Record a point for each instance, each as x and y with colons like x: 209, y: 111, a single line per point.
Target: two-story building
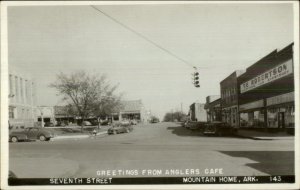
x: 22, y: 98
x: 229, y: 99
x: 266, y: 92
x: 213, y: 108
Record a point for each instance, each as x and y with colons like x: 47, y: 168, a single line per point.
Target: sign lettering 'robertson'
x: 268, y: 76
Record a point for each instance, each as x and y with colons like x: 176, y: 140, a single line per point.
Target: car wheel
x: 14, y: 139
x: 42, y: 138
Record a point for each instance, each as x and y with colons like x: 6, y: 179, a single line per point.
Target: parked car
x: 119, y: 128
x: 218, y: 128
x: 104, y: 122
x: 197, y: 125
x: 31, y: 133
x: 133, y: 122
x: 187, y: 124
x: 125, y: 123
x: 62, y: 123
x: 87, y: 123
x: 49, y: 124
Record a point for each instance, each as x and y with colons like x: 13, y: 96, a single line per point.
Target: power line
x: 144, y: 37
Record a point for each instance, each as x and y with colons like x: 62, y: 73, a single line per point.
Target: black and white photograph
x: 148, y: 94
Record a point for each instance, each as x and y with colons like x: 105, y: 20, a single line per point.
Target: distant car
x: 87, y: 123
x: 119, y: 128
x: 125, y: 123
x: 154, y: 120
x: 187, y: 124
x: 49, y: 124
x: 31, y: 133
x: 218, y: 128
x: 104, y: 122
x: 197, y: 125
x: 133, y: 122
x: 62, y: 123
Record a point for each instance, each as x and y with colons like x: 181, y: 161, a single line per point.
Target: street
x: 162, y: 149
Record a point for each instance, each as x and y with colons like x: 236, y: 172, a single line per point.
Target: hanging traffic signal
x: 196, y: 79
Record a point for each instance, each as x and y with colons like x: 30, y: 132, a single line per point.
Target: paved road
x: 163, y: 149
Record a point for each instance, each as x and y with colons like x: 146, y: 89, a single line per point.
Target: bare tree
x: 90, y: 95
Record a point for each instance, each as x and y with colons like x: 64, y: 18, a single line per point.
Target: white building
x: 45, y: 114
x: 22, y: 98
x: 197, y: 112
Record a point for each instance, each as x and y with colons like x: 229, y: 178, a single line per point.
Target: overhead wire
x: 143, y: 37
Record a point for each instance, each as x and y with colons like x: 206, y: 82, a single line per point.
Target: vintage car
x: 197, y: 125
x: 31, y: 133
x: 218, y: 128
x: 119, y: 128
x: 133, y: 122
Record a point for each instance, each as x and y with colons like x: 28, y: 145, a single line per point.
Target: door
x: 32, y: 133
x: 281, y: 120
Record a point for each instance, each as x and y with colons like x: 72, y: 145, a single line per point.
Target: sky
x: 217, y: 38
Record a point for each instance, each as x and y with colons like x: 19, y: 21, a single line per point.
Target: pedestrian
x: 99, y: 123
x: 94, y: 132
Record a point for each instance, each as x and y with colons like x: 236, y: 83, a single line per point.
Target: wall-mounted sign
x: 277, y: 72
x: 252, y: 105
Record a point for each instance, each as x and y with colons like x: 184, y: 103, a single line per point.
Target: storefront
x: 230, y: 115
x: 252, y: 114
x: 281, y: 111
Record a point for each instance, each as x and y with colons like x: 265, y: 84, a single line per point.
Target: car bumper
x: 209, y: 132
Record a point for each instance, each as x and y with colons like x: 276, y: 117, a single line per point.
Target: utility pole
x: 181, y: 107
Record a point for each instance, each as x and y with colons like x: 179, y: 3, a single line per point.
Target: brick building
x: 266, y: 92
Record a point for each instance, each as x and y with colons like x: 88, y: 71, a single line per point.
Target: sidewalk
x: 260, y: 135
x: 76, y: 135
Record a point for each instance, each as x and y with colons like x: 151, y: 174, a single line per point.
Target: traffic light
x: 196, y: 79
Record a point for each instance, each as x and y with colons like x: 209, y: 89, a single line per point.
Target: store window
x: 244, y: 119
x: 11, y: 112
x: 258, y: 120
x: 290, y: 116
x: 272, y: 117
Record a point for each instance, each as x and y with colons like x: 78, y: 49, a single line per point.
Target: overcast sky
x: 221, y: 38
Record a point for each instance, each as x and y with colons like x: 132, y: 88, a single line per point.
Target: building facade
x: 229, y: 99
x: 213, y: 108
x: 45, y: 115
x: 132, y: 110
x: 197, y: 112
x: 22, y: 98
x: 266, y: 92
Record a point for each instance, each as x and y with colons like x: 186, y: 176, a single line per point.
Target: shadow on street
x: 181, y: 131
x: 270, y: 162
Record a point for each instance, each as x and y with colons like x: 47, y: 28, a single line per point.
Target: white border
x: 4, y: 100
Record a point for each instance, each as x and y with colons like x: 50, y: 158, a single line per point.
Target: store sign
x: 277, y: 72
x: 252, y: 105
x: 289, y: 97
